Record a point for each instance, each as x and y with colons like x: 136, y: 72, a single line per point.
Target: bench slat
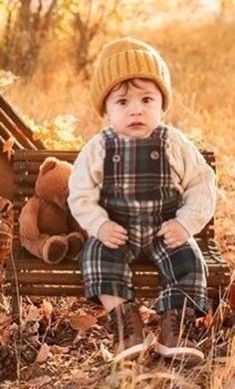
x: 78, y: 291
x: 36, y: 155
x: 147, y: 266
x: 71, y: 278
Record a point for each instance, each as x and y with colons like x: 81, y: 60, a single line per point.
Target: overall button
x: 154, y: 154
x: 116, y: 158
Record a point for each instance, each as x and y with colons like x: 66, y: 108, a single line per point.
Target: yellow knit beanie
x: 127, y: 58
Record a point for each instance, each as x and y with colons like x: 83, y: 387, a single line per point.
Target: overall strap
x: 109, y: 133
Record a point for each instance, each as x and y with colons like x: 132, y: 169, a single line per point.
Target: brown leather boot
x: 177, y: 338
x: 127, y: 328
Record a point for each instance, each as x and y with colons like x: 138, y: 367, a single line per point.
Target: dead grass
x: 82, y: 360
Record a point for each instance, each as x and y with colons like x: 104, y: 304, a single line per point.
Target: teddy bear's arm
x: 28, y: 220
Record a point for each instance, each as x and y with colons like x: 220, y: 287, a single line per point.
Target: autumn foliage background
x: 49, y: 48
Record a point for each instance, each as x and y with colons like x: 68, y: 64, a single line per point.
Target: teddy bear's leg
x: 51, y: 249
x: 75, y: 244
x: 35, y: 246
x: 55, y: 249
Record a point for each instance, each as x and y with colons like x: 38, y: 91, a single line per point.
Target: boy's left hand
x: 174, y: 233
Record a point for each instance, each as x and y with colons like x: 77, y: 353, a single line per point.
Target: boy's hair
x: 125, y: 85
x: 125, y: 59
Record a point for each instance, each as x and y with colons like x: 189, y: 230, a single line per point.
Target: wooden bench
x: 27, y: 275
x: 12, y: 129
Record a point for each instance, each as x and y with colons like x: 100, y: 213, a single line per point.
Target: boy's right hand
x: 112, y: 234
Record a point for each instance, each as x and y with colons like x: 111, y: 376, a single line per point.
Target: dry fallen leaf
x: 59, y: 350
x: 47, y: 309
x: 43, y: 353
x: 106, y: 354
x: 37, y: 136
x: 5, y: 335
x: 7, y: 78
x: 39, y: 381
x: 147, y: 315
x: 5, y: 328
x: 33, y: 314
x: 8, y: 147
x: 150, y: 340
x: 83, y: 322
x: 207, y: 321
x: 4, y: 319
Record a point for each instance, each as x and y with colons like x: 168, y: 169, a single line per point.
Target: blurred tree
x: 28, y: 24
x: 31, y: 22
x: 91, y: 22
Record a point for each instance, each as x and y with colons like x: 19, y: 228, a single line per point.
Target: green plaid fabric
x: 138, y: 193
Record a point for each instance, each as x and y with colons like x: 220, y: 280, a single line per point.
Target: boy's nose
x: 135, y: 109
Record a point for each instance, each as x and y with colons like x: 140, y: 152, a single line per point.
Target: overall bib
x: 139, y: 194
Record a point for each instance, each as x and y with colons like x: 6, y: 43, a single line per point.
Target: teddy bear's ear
x: 48, y: 164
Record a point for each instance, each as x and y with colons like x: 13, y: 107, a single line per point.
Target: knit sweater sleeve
x: 197, y: 180
x: 84, y: 187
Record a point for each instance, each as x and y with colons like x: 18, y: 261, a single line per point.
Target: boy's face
x: 135, y: 109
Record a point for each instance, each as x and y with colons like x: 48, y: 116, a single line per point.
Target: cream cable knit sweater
x: 190, y: 172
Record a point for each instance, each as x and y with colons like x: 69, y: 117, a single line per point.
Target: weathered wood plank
x: 75, y: 278
x: 78, y: 291
x: 16, y: 125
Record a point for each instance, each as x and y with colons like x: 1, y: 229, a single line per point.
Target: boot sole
x: 191, y: 355
x: 133, y: 352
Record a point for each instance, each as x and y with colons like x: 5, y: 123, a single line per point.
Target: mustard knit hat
x: 127, y: 58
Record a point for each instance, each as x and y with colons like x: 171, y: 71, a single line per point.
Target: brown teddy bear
x: 46, y: 226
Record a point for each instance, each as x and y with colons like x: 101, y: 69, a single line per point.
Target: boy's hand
x: 112, y: 234
x: 174, y: 233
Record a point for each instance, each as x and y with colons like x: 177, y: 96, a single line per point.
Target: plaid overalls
x: 139, y: 194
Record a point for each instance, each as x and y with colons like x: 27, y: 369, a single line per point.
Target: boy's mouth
x: 134, y: 124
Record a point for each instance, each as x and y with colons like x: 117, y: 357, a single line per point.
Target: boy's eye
x: 122, y: 101
x: 147, y: 99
